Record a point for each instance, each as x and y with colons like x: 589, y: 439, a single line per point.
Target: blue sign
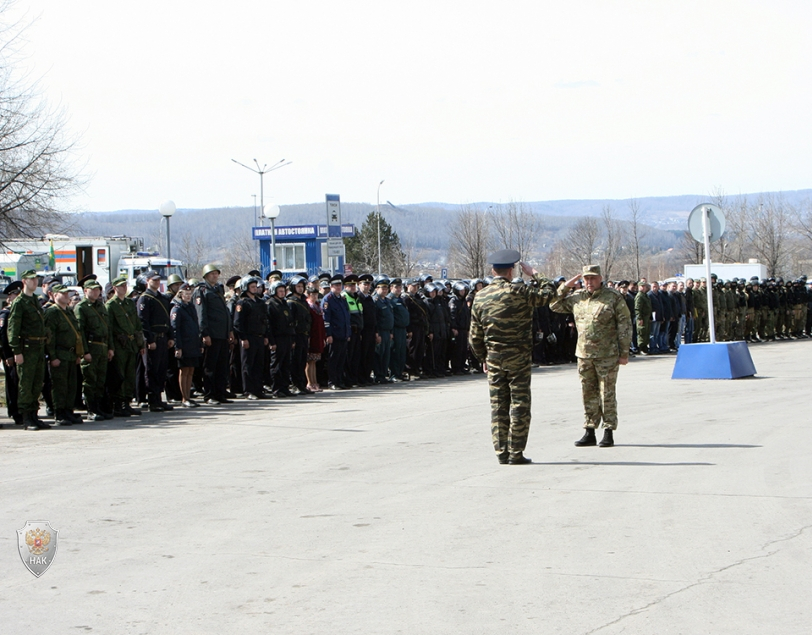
x: 303, y: 232
x: 444, y: 273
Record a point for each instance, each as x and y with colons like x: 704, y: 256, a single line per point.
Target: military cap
x: 119, y: 281
x: 14, y: 287
x: 254, y: 273
x: 150, y: 275
x: 52, y: 284
x: 58, y: 287
x: 337, y: 279
x: 623, y: 283
x: 324, y: 284
x: 91, y: 276
x: 504, y: 258
x: 91, y: 284
x: 395, y: 281
x: 351, y: 279
x: 591, y: 270
x: 382, y: 281
x: 173, y: 279
x: 324, y: 276
x: 209, y: 268
x: 274, y: 274
x: 185, y: 287
x: 366, y: 277
x: 27, y: 275
x: 108, y: 288
x: 232, y: 281
x: 48, y: 280
x: 193, y: 281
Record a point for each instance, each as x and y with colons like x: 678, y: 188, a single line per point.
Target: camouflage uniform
x: 128, y: 341
x: 67, y: 345
x: 501, y: 335
x: 604, y: 332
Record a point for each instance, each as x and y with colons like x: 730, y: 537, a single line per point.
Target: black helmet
x: 140, y: 284
x: 275, y: 285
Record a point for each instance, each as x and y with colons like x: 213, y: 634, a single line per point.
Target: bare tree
x: 583, y: 240
x: 637, y: 234
x: 514, y: 226
x: 690, y: 250
x: 468, y: 238
x: 37, y: 172
x: 771, y: 236
x: 612, y: 241
x: 192, y: 247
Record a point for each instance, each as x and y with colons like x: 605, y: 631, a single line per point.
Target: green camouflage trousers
x: 598, y: 379
x: 509, y: 386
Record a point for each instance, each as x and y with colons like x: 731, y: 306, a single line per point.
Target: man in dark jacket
x: 460, y: 325
x: 218, y: 334
x: 397, y: 358
x: 369, y: 335
x: 251, y: 329
x: 282, y: 331
x: 337, y: 329
x: 302, y: 322
x: 417, y: 330
x: 385, y: 320
x: 153, y: 311
x: 656, y: 317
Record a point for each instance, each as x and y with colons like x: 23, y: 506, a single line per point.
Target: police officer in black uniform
x: 218, y: 334
x: 153, y: 311
x: 282, y: 330
x: 251, y: 329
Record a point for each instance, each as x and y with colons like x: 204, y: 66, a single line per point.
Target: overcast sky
x: 447, y: 101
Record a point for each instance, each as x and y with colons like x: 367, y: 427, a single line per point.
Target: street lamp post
x: 272, y: 212
x: 262, y: 171
x: 379, y: 225
x: 167, y: 208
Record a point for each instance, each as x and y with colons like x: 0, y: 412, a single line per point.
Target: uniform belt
x: 159, y: 335
x: 36, y: 339
x: 97, y: 342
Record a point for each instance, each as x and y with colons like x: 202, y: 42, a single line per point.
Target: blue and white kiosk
x: 299, y: 248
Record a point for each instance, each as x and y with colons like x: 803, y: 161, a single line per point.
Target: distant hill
x: 422, y: 226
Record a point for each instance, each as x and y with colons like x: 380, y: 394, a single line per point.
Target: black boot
x: 30, y: 422
x: 519, y: 459
x: 61, y: 419
x: 587, y: 439
x: 119, y: 410
x: 93, y: 412
x: 73, y: 417
x: 608, y: 440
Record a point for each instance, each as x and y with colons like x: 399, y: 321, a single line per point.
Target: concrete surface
x: 385, y: 511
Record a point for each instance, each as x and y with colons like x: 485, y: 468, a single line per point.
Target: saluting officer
x: 95, y: 328
x: 153, y: 311
x: 12, y: 383
x: 251, y: 329
x: 127, y: 335
x: 501, y: 338
x: 218, y: 333
x: 27, y: 334
x: 66, y: 348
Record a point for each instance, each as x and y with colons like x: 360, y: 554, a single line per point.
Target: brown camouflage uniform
x: 501, y: 335
x: 604, y: 333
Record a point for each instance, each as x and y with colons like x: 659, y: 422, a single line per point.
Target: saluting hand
x: 571, y: 282
x: 527, y: 269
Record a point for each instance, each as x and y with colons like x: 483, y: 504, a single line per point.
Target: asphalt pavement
x: 385, y: 511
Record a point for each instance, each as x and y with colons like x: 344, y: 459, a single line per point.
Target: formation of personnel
x: 204, y: 341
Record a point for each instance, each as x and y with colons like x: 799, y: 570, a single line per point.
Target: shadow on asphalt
x: 619, y: 463
x: 686, y: 445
